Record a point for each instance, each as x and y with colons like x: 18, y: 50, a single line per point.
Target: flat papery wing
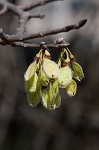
x: 78, y: 70
x: 33, y: 98
x: 45, y: 98
x: 30, y: 71
x: 72, y: 88
x: 31, y: 84
x: 50, y: 97
x: 54, y: 95
x: 50, y: 68
x: 47, y: 54
x: 65, y: 76
x: 34, y: 83
x: 75, y: 76
x: 44, y: 79
x: 34, y: 93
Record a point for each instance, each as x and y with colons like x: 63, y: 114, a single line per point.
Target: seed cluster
x: 44, y: 78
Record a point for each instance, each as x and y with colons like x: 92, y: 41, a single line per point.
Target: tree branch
x: 3, y: 10
x: 40, y: 16
x: 37, y: 4
x: 16, y: 38
x: 28, y: 45
x: 24, y: 15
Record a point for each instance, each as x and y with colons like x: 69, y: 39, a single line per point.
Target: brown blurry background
x: 75, y: 125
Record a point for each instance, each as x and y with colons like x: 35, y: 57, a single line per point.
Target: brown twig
x: 3, y: 10
x: 24, y: 15
x: 37, y: 4
x: 16, y: 38
x: 28, y: 45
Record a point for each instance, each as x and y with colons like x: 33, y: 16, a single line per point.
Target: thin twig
x: 40, y: 16
x: 28, y: 45
x: 3, y: 10
x: 24, y: 15
x: 37, y: 4
x: 16, y: 38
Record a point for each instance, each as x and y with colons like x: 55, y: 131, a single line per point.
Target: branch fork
x: 19, y: 38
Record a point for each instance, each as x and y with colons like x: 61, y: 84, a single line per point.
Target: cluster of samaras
x: 44, y: 78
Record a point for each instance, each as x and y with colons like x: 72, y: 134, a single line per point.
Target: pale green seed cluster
x: 44, y: 78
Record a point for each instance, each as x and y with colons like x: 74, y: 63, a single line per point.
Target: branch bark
x: 37, y: 4
x: 24, y: 15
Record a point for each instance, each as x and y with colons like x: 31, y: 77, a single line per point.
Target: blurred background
x: 73, y: 126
